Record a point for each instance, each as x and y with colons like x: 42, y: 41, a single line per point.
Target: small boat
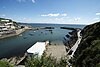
x: 20, y: 35
x: 34, y: 31
x: 25, y: 37
x: 31, y: 34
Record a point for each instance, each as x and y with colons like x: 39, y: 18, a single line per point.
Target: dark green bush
x: 36, y: 61
x: 5, y: 64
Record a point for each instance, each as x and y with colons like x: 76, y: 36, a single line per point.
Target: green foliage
x: 5, y: 64
x: 5, y: 19
x: 98, y: 65
x: 88, y: 52
x: 63, y: 62
x: 36, y: 61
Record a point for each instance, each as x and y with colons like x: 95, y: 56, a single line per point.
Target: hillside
x: 5, y: 19
x: 88, y: 52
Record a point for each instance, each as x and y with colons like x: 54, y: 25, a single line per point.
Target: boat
x: 31, y: 34
x: 25, y: 37
x: 20, y: 35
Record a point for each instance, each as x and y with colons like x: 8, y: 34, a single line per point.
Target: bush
x: 36, y: 61
x: 5, y: 64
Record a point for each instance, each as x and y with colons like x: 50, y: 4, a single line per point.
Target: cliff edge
x: 88, y: 51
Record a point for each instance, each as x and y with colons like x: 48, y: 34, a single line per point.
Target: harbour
x: 8, y: 46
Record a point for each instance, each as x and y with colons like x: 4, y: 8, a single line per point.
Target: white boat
x: 20, y: 35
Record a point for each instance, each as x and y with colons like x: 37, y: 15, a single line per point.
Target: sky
x: 51, y: 11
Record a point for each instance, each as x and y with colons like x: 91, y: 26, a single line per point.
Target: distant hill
x: 88, y: 52
x: 5, y: 19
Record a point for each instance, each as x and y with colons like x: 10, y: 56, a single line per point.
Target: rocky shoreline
x: 88, y: 51
x: 72, y: 37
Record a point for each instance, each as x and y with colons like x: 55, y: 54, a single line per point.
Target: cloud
x: 33, y: 1
x: 20, y: 1
x: 96, y: 18
x: 3, y: 15
x: 59, y: 19
x: 27, y: 20
x: 77, y: 19
x: 53, y: 15
x: 97, y: 13
x: 64, y: 14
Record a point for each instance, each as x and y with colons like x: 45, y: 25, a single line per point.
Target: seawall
x: 17, y: 32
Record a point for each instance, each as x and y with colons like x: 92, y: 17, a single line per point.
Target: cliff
x: 88, y: 52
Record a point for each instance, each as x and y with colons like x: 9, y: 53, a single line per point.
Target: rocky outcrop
x: 72, y: 38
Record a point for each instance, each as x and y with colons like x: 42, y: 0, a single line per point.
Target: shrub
x: 36, y: 61
x: 5, y: 64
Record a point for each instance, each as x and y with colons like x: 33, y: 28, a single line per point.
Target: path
x: 73, y: 49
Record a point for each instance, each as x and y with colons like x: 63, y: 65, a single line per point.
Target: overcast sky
x: 51, y: 11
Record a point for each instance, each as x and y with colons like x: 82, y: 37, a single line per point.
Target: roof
x: 37, y: 48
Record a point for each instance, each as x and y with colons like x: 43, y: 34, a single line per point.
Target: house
x: 7, y: 26
x: 5, y: 20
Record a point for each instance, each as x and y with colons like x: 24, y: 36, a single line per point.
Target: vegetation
x: 5, y: 19
x: 5, y: 64
x: 36, y: 61
x: 88, y: 52
x: 1, y: 19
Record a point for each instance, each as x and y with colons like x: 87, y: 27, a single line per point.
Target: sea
x: 17, y: 45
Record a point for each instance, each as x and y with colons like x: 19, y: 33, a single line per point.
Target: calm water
x: 17, y: 45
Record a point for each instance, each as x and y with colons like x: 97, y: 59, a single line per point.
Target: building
x: 5, y: 20
x: 7, y: 26
x: 38, y: 48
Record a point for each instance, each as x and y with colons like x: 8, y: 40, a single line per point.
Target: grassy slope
x: 88, y: 52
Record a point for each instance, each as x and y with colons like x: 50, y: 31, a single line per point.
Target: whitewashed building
x: 6, y: 26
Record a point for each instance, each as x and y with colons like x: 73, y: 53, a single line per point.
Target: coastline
x: 57, y: 50
x: 61, y: 49
x: 17, y: 32
x: 10, y: 35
